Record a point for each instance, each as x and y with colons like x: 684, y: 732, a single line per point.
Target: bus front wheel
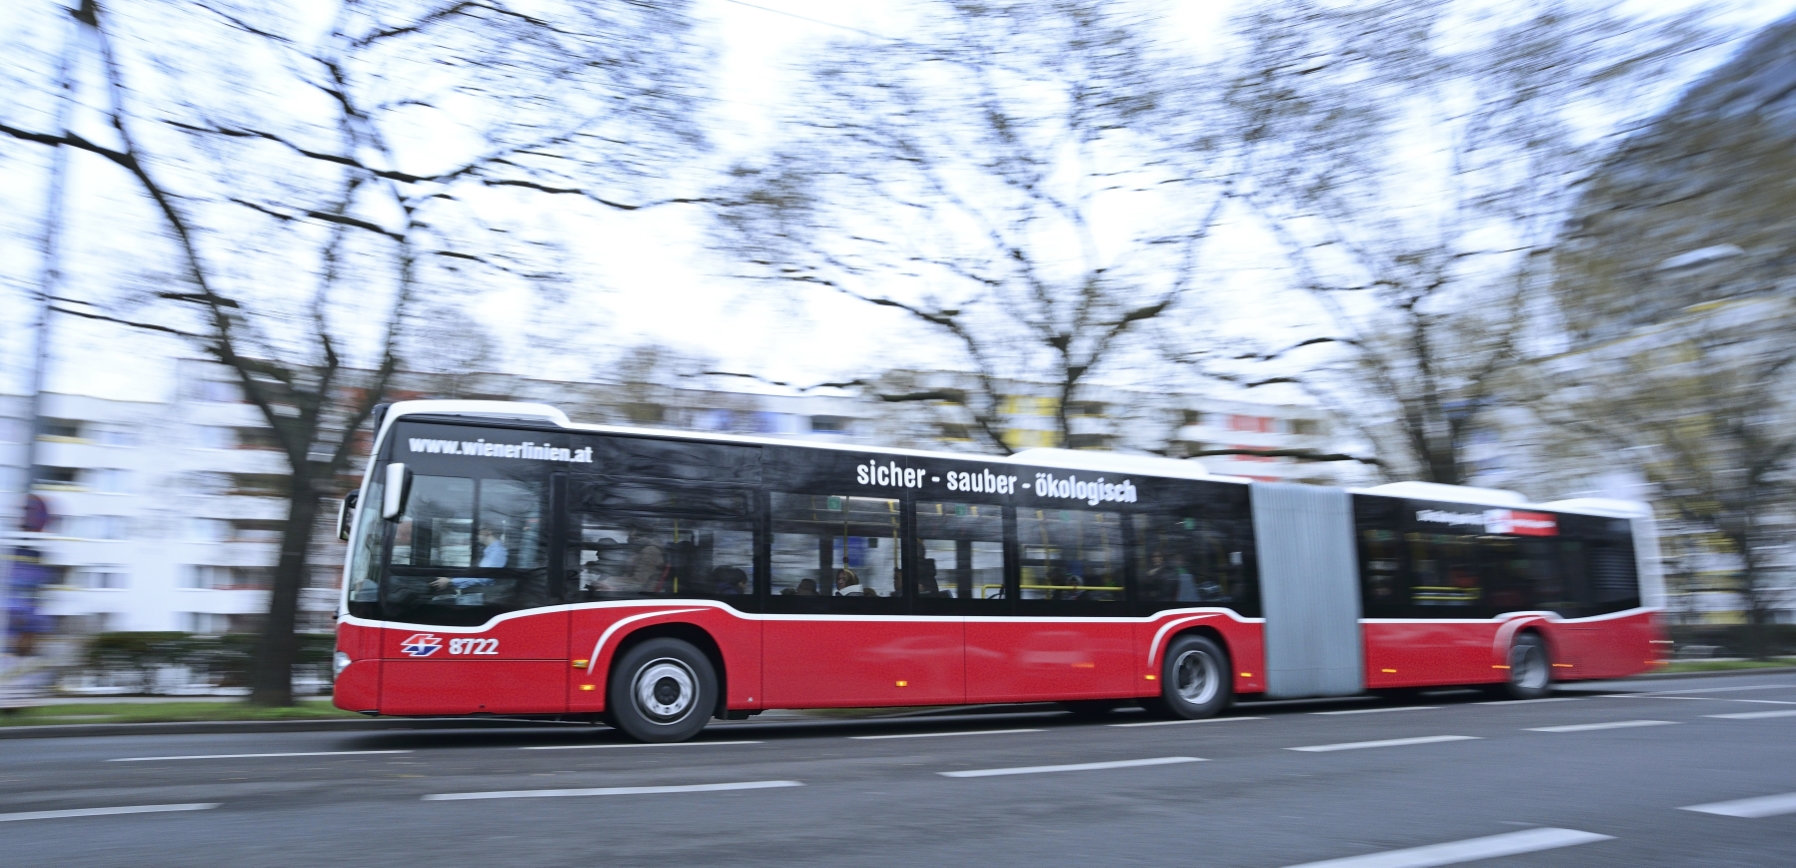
x: 1194, y: 679
x: 662, y: 690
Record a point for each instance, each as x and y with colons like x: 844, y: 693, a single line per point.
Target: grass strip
x: 1726, y: 665
x: 51, y: 714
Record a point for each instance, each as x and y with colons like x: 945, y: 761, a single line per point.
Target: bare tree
x: 1415, y: 183
x: 319, y: 185
x: 1031, y: 181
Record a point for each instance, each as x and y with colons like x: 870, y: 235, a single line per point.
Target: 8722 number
x: 474, y: 646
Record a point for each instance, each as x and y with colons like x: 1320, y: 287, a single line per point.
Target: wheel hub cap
x: 1195, y: 677
x: 665, y: 690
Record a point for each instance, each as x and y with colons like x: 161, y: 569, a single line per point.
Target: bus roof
x: 1066, y: 459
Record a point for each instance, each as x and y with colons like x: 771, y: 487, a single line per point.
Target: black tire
x: 1090, y: 709
x: 1530, y: 670
x: 662, y: 690
x: 1195, y: 680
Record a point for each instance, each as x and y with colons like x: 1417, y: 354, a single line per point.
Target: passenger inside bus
x: 847, y: 583
x: 729, y: 581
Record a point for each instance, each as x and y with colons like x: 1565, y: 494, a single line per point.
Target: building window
x: 1253, y: 424
x: 1085, y: 408
x: 104, y: 527
x: 108, y: 480
x: 208, y: 529
x: 58, y: 478
x: 14, y: 430
x: 99, y: 578
x: 115, y: 435
x: 1088, y: 441
x: 216, y: 391
x: 1306, y: 427
x: 209, y: 483
x: 66, y: 430
x: 214, y: 437
x: 257, y: 531
x: 1244, y: 456
x: 208, y: 623
x: 830, y: 424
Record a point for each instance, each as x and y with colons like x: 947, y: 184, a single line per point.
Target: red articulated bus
x: 504, y: 561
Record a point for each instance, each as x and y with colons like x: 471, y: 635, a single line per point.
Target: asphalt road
x: 1598, y: 775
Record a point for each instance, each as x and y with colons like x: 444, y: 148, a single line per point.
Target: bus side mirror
x: 398, y: 490
x: 345, y: 510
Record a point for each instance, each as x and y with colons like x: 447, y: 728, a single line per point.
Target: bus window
x: 467, y: 549
x: 437, y: 527
x: 1188, y: 561
x: 621, y: 556
x: 1383, y: 592
x: 1072, y: 562
x: 839, y: 553
x: 1614, y: 580
x: 1445, y: 574
x: 960, y: 550
x: 364, y: 554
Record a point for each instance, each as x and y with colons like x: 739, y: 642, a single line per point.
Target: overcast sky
x: 660, y: 283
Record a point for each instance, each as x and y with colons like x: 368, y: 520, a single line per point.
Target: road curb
x: 205, y: 727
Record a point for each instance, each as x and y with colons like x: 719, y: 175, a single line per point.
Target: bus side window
x: 1191, y: 561
x: 634, y: 556
x: 1072, y: 562
x: 837, y: 553
x: 961, y: 551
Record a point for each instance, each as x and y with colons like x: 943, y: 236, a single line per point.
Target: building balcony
x: 60, y: 452
x: 239, y: 507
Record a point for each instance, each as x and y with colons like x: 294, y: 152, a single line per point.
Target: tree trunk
x: 272, y: 681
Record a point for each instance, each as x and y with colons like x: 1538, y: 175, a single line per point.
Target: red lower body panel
x: 818, y: 663
x: 1018, y: 660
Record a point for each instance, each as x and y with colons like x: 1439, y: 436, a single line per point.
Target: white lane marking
x: 1177, y: 722
x: 1469, y: 850
x: 604, y: 746
x: 103, y: 812
x: 157, y: 759
x: 1706, y: 699
x: 1613, y: 724
x: 1751, y: 809
x: 1379, y: 710
x: 1527, y: 701
x: 943, y: 734
x: 1722, y: 689
x: 1755, y: 715
x: 1388, y: 742
x: 1075, y: 767
x: 611, y: 791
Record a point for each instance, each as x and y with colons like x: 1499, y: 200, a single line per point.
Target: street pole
x: 49, y: 280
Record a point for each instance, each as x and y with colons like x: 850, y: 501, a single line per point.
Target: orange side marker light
x: 588, y: 687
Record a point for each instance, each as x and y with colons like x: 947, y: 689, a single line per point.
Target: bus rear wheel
x: 1194, y: 680
x: 662, y: 690
x: 1530, y: 669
